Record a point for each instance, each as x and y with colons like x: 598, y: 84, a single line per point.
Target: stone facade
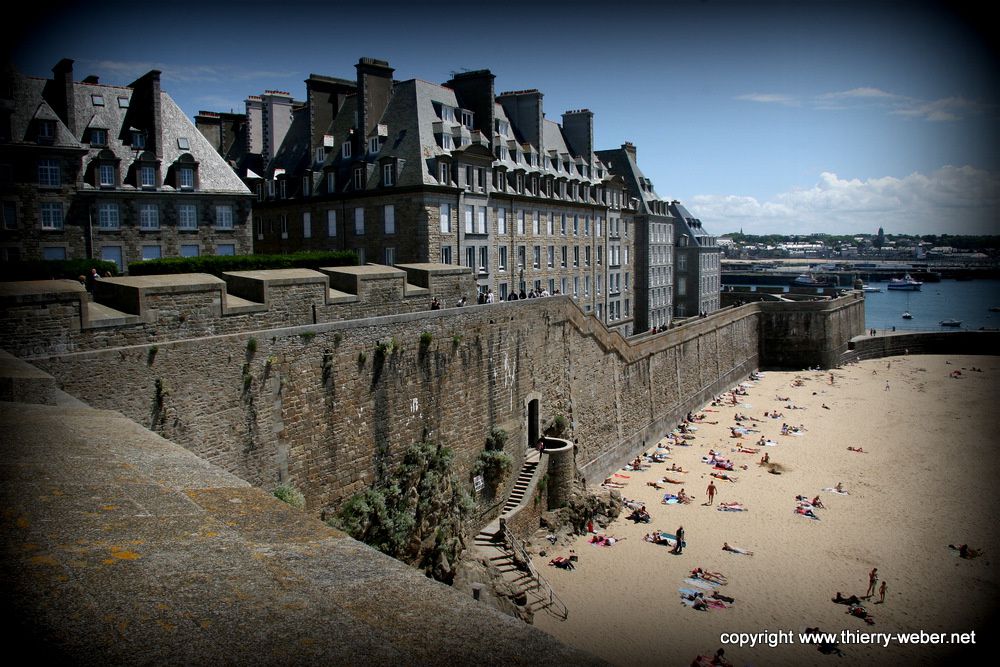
x: 324, y: 403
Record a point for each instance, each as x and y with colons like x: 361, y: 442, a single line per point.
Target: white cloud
x: 867, y: 97
x: 954, y: 200
x: 770, y: 98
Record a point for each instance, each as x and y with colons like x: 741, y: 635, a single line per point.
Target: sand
x: 929, y: 478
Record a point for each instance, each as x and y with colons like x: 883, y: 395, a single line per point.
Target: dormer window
x: 123, y: 103
x: 444, y: 173
x: 446, y: 142
x: 138, y: 140
x: 502, y: 128
x: 147, y: 176
x: 359, y: 178
x: 467, y: 118
x: 447, y: 113
x: 183, y: 143
x: 106, y: 175
x: 345, y: 150
x: 185, y: 178
x: 389, y: 174
x: 98, y: 100
x: 98, y: 136
x: 374, y: 145
x: 46, y: 131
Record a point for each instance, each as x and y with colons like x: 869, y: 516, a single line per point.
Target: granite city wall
x: 331, y: 406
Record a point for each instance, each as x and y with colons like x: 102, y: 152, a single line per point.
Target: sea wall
x: 330, y: 406
x: 936, y: 342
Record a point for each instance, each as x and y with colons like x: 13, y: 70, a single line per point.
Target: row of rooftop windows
x: 52, y: 216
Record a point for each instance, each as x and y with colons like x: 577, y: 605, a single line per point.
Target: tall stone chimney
x: 325, y: 97
x: 147, y: 109
x: 475, y: 92
x: 578, y: 128
x: 62, y: 100
x: 374, y: 91
x: 524, y: 109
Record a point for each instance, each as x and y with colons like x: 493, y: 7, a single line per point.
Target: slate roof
x: 623, y: 163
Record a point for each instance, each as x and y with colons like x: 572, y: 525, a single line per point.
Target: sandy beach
x: 927, y: 479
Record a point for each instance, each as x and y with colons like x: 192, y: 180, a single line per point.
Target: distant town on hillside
x: 737, y: 245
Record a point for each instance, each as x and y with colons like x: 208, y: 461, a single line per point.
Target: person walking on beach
x: 887, y: 385
x: 872, y: 581
x: 881, y: 592
x: 711, y: 492
x: 679, y: 547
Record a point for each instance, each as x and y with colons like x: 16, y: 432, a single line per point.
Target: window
x: 562, y: 286
x: 444, y: 173
x: 283, y: 222
x: 225, y: 249
x: 576, y: 286
x: 307, y: 230
x: 359, y: 178
x: 447, y: 113
x: 576, y: 225
x: 520, y: 256
x: 10, y: 215
x: 681, y: 290
x: 123, y: 103
x: 586, y: 285
x: 306, y: 186
x: 446, y: 142
x: 446, y: 254
x: 586, y: 226
x: 682, y: 262
x: 359, y: 221
x: 388, y: 174
x: 52, y: 215
x: 224, y: 217
x: 98, y: 137
x: 502, y: 258
x: 549, y: 224
x: 361, y: 256
x: 345, y: 150
x: 374, y: 145
x: 283, y: 188
x: 107, y: 216
x: 503, y: 291
x: 534, y: 223
x: 98, y: 100
x: 470, y: 178
x: 183, y: 143
x: 597, y: 227
x: 552, y: 256
x: 600, y: 254
x: 149, y: 216
x: 185, y: 178
x: 501, y: 221
x: 46, y: 131
x: 467, y: 118
x: 150, y: 252
x: 331, y: 182
x: 484, y: 259
x: 113, y: 253
x: 190, y: 250
x: 481, y: 220
x: 54, y: 253
x: 586, y: 255
x: 331, y: 224
x: 138, y: 140
x: 390, y: 256
x: 520, y: 223
x: 536, y: 256
x: 565, y: 255
x: 258, y: 225
x: 389, y: 213
x: 147, y: 176
x: 446, y: 218
x: 576, y: 255
x: 49, y: 173
x: 470, y: 257
x: 562, y: 224
x: 626, y: 255
x: 469, y: 212
x: 106, y: 175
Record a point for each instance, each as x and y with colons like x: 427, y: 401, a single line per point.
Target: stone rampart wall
x: 330, y: 406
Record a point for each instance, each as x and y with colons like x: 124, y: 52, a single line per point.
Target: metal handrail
x: 521, y: 555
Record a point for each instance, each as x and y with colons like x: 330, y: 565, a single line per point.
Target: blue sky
x: 762, y: 116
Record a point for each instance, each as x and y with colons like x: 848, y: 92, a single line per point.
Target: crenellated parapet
x: 42, y: 318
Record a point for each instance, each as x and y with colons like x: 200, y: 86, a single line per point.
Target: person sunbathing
x: 639, y: 516
x: 716, y: 595
x: 840, y: 599
x: 806, y: 511
x: 610, y: 483
x: 668, y: 480
x: 840, y: 488
x: 722, y: 475
x: 764, y: 460
x: 656, y: 485
x: 676, y: 468
x: 816, y: 502
x: 716, y: 577
x: 964, y: 551
x: 859, y: 450
x: 736, y: 550
x: 683, y: 497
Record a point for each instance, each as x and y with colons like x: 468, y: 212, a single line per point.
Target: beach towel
x: 701, y: 583
x: 689, y: 591
x: 672, y: 538
x: 830, y: 489
x: 670, y: 500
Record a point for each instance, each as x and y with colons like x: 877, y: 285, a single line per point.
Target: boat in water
x: 869, y: 288
x: 907, y: 316
x: 905, y: 283
x: 810, y: 280
x: 950, y: 323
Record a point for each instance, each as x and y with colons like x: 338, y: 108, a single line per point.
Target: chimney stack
x: 524, y: 109
x: 374, y: 91
x: 578, y: 128
x: 475, y: 92
x: 63, y: 100
x: 145, y: 106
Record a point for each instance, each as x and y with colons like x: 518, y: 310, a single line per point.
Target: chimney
x: 92, y: 79
x: 147, y: 112
x: 629, y: 148
x: 578, y: 128
x: 524, y: 109
x: 374, y: 91
x: 475, y: 92
x: 62, y: 99
x: 325, y: 97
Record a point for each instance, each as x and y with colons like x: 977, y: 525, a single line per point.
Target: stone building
x: 89, y: 170
x: 697, y: 265
x: 411, y: 171
x: 654, y: 241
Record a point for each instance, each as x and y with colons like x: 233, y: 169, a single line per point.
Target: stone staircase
x: 507, y: 554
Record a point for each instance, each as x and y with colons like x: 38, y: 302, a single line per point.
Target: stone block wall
x: 330, y: 406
